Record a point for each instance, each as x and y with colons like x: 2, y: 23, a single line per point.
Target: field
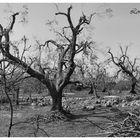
x: 86, y: 122
x: 69, y: 70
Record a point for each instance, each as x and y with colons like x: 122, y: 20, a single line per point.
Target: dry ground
x: 86, y: 123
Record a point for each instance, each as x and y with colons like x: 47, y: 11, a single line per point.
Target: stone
x: 98, y: 101
x: 103, y: 101
x: 108, y: 104
x: 33, y: 104
x: 86, y: 102
x: 40, y: 104
x: 111, y: 97
x: 115, y: 101
x: 123, y: 101
x: 137, y: 102
x: 89, y: 108
x: 125, y: 104
x: 98, y: 105
x: 128, y: 98
x: 71, y: 93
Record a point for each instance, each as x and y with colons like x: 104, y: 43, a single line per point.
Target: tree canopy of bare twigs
x: 66, y: 54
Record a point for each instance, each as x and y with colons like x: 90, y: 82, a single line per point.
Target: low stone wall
x: 88, y: 102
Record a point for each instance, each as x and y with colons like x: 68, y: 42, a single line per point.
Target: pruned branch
x: 13, y: 21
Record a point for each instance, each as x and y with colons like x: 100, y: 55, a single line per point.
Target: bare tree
x: 96, y: 75
x: 127, y: 67
x: 4, y: 84
x: 66, y: 53
x: 11, y: 78
x: 91, y: 75
x: 6, y: 73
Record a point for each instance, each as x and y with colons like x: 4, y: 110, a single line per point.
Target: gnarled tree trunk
x: 57, y: 102
x: 56, y: 95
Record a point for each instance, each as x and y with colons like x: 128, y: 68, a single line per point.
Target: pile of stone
x: 77, y: 103
x: 131, y: 104
x: 110, y: 101
x: 89, y: 108
x: 44, y: 101
x: 72, y: 102
x: 89, y: 103
x: 130, y: 101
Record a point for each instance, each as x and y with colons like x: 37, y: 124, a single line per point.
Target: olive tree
x: 66, y: 55
x: 127, y: 67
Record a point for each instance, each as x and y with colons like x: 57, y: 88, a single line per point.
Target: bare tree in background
x: 3, y: 74
x: 127, y: 67
x: 91, y: 75
x: 11, y: 78
x: 96, y: 75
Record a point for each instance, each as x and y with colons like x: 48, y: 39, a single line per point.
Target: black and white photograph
x: 69, y: 69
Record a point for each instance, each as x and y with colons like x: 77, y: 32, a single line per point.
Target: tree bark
x: 133, y: 85
x: 30, y: 97
x: 93, y: 91
x: 17, y: 97
x: 56, y: 100
x: 104, y: 89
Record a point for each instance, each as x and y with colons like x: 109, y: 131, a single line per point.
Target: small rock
x: 108, y: 104
x: 115, y: 101
x: 137, y: 102
x: 86, y: 102
x: 103, y: 101
x: 99, y: 105
x: 123, y: 101
x: 33, y: 104
x: 124, y: 104
x: 98, y: 101
x: 89, y: 108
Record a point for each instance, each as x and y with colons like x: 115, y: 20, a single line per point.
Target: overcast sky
x: 122, y: 28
